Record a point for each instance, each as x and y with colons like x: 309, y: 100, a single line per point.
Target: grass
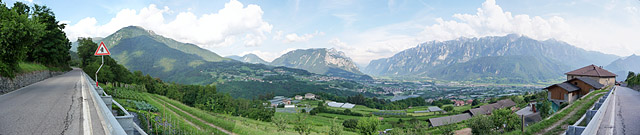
x: 174, y: 117
x: 246, y: 126
x: 26, y: 67
x: 200, y: 124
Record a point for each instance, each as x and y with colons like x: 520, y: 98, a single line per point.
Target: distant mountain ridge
x: 320, y: 61
x: 622, y: 66
x: 249, y: 58
x: 435, y: 58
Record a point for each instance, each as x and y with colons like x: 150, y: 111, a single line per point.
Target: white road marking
x: 612, y: 118
x: 86, y: 121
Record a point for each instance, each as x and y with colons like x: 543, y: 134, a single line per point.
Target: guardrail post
x: 100, y: 91
x: 590, y: 114
x: 127, y: 123
x: 108, y: 100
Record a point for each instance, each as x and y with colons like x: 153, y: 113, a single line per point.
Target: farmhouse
x: 594, y: 72
x: 309, y: 96
x: 571, y: 90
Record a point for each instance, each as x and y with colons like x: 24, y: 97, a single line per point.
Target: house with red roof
x: 579, y: 83
x: 594, y: 72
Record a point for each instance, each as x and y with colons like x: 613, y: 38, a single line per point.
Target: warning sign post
x: 101, y: 51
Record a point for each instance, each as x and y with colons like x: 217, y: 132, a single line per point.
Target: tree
x: 630, y: 75
x: 350, y: 123
x: 448, y: 108
x: 475, y: 102
x: 52, y: 49
x: 347, y: 111
x: 505, y: 119
x: 280, y: 122
x: 302, y: 126
x: 336, y: 129
x: 545, y: 109
x: 368, y: 125
x: 17, y: 32
x: 481, y: 125
x: 518, y: 99
x: 416, y: 127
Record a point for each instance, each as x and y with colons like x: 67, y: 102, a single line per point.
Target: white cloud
x: 293, y: 37
x: 491, y: 20
x: 234, y: 22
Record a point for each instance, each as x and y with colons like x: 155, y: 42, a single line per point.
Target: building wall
x: 584, y: 87
x: 572, y: 96
x: 557, y: 93
x: 602, y: 80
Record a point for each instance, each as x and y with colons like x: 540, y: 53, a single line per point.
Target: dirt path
x: 188, y: 122
x: 559, y: 122
x: 205, y: 122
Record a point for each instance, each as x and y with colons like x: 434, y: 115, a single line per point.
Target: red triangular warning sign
x: 102, y: 50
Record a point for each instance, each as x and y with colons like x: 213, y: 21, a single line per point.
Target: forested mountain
x: 435, y: 58
x: 622, y: 66
x: 249, y: 58
x: 116, y: 38
x: 321, y: 61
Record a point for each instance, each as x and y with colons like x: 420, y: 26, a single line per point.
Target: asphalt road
x: 51, y: 106
x: 627, y: 116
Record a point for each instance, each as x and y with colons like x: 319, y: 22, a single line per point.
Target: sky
x: 364, y: 30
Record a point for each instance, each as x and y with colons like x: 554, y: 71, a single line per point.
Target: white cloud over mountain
x: 235, y: 22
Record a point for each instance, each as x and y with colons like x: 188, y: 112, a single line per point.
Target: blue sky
x: 364, y: 30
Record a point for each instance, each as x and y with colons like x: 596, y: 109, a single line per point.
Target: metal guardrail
x: 593, y: 116
x: 117, y: 125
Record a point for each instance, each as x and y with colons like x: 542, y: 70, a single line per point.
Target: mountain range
x: 249, y: 58
x: 321, y: 61
x: 512, y: 57
x: 622, y: 66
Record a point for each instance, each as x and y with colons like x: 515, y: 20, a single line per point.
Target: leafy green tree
x: 481, y: 125
x: 280, y: 122
x: 368, y: 125
x: 336, y: 128
x: 301, y: 125
x: 475, y: 102
x: 416, y: 127
x: 52, y: 49
x: 350, y: 123
x: 17, y: 32
x: 630, y: 75
x: 448, y: 108
x: 505, y: 119
x: 545, y: 109
x: 518, y: 99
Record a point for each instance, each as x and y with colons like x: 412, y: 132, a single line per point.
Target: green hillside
x: 116, y: 38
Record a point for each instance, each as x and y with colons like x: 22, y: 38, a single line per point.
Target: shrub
x: 350, y: 123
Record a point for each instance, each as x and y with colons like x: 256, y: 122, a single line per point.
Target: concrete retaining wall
x: 7, y: 84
